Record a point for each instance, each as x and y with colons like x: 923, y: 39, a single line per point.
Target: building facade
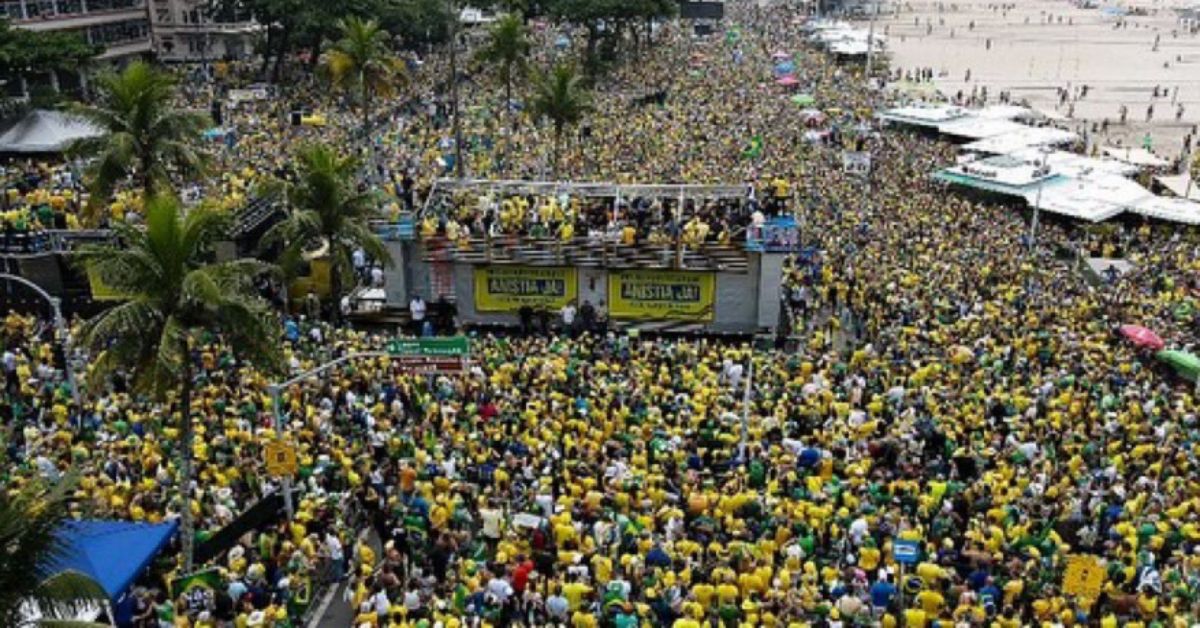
x: 174, y: 30
x: 121, y: 27
x: 188, y: 31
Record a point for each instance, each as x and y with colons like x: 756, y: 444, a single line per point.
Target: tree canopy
x: 24, y: 51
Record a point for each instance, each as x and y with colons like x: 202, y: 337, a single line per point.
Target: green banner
x: 455, y: 346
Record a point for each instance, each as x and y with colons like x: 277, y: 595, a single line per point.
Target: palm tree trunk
x: 366, y: 110
x: 186, y: 525
x: 554, y: 165
x: 508, y: 92
x: 335, y: 287
x: 147, y: 181
x: 280, y: 53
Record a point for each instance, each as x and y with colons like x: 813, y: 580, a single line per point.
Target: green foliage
x: 507, y: 50
x: 144, y: 135
x: 362, y: 60
x: 23, y: 51
x: 606, y: 22
x: 171, y: 289
x: 558, y: 96
x: 325, y: 207
x: 29, y: 521
x: 417, y: 23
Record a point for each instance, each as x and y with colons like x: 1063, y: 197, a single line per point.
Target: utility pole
x: 276, y: 391
x: 60, y: 329
x: 459, y: 167
x: 746, y: 408
x: 870, y: 44
x: 1033, y: 225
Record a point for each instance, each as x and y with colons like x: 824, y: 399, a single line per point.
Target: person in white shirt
x: 337, y: 556
x: 568, y: 318
x: 416, y: 311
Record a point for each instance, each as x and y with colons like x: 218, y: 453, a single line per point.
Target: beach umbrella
x: 787, y: 67
x: 787, y: 81
x: 1142, y: 337
x: 1184, y: 363
x: 804, y: 100
x: 779, y: 54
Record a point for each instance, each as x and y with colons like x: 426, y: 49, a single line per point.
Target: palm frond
x: 66, y: 594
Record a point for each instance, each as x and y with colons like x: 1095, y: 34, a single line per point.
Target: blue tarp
x: 112, y: 553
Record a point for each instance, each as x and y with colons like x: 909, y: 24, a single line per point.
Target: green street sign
x: 456, y: 346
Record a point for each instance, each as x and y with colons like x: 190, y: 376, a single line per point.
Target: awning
x: 1178, y: 185
x: 1136, y: 156
x: 1020, y: 139
x: 43, y: 131
x: 112, y: 553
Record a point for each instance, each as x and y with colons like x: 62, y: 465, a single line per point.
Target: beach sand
x: 1040, y: 46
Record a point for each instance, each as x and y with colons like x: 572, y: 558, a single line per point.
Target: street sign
x: 430, y: 355
x: 456, y: 346
x: 1084, y: 576
x: 906, y: 552
x: 281, y: 459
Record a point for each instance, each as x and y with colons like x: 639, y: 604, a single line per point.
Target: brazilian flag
x: 208, y: 579
x: 754, y: 149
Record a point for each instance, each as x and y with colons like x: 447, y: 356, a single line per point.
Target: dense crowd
x: 952, y: 385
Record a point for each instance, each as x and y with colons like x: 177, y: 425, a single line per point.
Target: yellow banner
x: 508, y: 288
x: 661, y: 295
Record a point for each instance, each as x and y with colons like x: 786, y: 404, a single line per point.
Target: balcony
x: 43, y: 15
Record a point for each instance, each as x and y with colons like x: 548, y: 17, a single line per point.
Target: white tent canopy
x: 1169, y: 209
x: 1136, y: 156
x: 1178, y: 185
x: 1031, y: 136
x: 42, y: 131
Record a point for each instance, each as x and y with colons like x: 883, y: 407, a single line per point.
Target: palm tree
x: 559, y: 97
x: 1193, y: 172
x: 507, y: 48
x: 171, y: 290
x: 362, y: 59
x: 325, y: 207
x: 142, y: 134
x: 29, y: 532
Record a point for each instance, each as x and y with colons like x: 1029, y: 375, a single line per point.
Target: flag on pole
x: 754, y: 149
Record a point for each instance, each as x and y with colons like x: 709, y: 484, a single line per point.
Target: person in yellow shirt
x: 931, y: 602
x: 576, y: 592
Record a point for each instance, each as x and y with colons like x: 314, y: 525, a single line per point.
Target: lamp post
x: 277, y: 408
x: 745, y: 436
x: 870, y: 44
x: 455, y: 18
x: 276, y: 390
x: 60, y: 328
x: 1043, y: 175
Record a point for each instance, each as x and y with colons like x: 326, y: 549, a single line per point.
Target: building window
x: 39, y: 9
x: 118, y: 33
x: 11, y: 10
x: 113, y: 5
x: 70, y: 7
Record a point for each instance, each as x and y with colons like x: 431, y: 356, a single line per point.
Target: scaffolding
x: 620, y: 193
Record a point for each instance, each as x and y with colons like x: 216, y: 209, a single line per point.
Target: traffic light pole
x: 61, y: 334
x: 277, y: 407
x: 276, y: 390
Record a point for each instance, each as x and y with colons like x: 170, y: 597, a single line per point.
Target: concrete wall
x: 395, y: 280
x: 770, y: 278
x: 737, y: 300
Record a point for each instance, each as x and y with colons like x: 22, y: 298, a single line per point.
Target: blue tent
x: 112, y: 553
